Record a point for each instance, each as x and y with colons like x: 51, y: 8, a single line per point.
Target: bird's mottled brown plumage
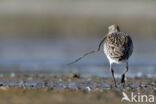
x: 118, y: 46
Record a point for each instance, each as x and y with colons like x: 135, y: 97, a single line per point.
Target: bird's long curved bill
x: 86, y: 54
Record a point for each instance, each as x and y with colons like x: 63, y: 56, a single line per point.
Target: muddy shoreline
x: 75, y: 82
x: 70, y: 89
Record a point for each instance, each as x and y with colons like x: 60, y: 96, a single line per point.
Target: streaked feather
x: 118, y: 46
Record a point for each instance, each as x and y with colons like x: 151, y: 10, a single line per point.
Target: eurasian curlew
x: 118, y: 47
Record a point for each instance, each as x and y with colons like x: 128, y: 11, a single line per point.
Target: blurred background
x: 41, y: 36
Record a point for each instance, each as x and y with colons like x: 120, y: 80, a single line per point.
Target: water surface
x: 51, y: 56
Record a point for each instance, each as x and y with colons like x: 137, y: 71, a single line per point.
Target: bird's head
x: 113, y: 28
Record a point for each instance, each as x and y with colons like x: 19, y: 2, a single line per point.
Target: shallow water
x: 51, y: 56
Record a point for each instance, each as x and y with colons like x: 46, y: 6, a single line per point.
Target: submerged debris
x: 73, y: 75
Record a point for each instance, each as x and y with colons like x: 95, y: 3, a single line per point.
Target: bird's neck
x: 113, y: 31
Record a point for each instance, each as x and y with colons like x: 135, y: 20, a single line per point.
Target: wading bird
x: 118, y: 47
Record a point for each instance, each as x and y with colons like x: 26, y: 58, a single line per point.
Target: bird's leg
x: 112, y: 71
x: 123, y: 74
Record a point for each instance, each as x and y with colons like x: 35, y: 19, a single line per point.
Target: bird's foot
x: 123, y: 79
